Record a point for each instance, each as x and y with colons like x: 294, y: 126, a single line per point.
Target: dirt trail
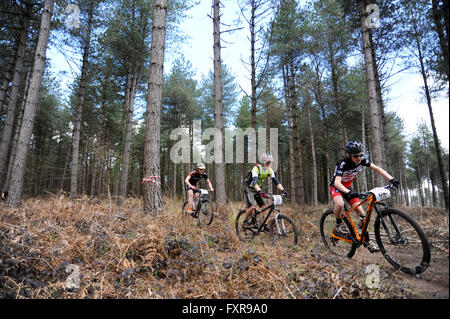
x: 432, y: 284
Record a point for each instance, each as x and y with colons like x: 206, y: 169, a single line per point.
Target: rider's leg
x: 190, y: 197
x: 338, y: 207
x: 248, y: 212
x: 196, y: 196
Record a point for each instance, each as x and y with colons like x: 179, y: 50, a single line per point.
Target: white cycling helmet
x: 265, y: 158
x: 201, y: 166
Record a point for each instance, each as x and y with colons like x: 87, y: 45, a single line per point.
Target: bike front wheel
x: 283, y: 231
x: 206, y: 213
x: 245, y: 232
x: 402, y: 241
x: 338, y: 247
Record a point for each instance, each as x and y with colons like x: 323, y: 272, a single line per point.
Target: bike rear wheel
x: 245, y: 233
x: 402, y: 241
x: 336, y: 246
x: 283, y: 231
x: 206, y: 213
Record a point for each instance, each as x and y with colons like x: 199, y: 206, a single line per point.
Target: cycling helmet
x: 354, y: 147
x: 265, y: 158
x: 201, y: 166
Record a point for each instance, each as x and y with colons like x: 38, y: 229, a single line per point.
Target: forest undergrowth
x: 88, y: 248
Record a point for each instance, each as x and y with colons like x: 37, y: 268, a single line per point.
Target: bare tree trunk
x: 79, y: 111
x: 363, y: 140
x: 18, y: 171
x: 443, y: 39
x: 152, y: 191
x: 219, y: 166
x: 16, y: 133
x: 8, y: 125
x: 287, y: 97
x: 98, y: 153
x: 315, y: 200
x: 299, y: 191
x: 419, y: 182
x: 433, y: 125
x: 11, y: 62
x: 133, y: 79
x: 375, y: 116
x: 319, y: 99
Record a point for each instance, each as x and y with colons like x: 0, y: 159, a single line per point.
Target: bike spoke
x: 402, y: 242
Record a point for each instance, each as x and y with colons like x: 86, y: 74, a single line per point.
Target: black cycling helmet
x: 354, y: 147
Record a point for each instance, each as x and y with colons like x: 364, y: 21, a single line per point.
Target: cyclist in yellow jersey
x: 254, y: 196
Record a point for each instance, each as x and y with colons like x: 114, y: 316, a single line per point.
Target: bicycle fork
x: 281, y: 228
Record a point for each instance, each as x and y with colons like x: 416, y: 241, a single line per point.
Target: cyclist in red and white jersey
x: 341, y: 185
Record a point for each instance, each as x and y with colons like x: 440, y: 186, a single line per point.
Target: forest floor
x: 56, y: 248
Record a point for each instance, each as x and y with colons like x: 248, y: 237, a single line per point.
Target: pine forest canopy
x: 318, y: 71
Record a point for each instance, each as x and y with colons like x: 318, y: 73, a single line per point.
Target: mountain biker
x: 192, y: 181
x: 341, y: 187
x: 254, y: 196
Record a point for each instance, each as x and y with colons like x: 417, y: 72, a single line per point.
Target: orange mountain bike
x: 400, y: 238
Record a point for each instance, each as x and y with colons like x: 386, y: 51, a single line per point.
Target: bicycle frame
x: 358, y: 238
x: 271, y: 208
x: 201, y: 199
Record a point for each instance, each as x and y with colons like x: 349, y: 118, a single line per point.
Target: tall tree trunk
x: 375, y: 116
x: 334, y: 80
x: 319, y: 99
x: 219, y: 166
x: 443, y: 40
x: 419, y: 182
x: 315, y: 200
x: 11, y: 62
x: 253, y: 72
x: 8, y: 126
x: 380, y: 103
x: 18, y: 171
x: 15, y: 139
x: 288, y: 101
x: 133, y: 79
x: 79, y: 111
x: 152, y: 191
x: 433, y: 125
x: 363, y: 140
x: 299, y: 191
x: 98, y: 153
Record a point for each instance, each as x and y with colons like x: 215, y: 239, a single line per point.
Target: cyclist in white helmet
x: 254, y: 195
x: 192, y: 181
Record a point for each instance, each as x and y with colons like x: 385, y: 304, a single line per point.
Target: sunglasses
x: 357, y: 155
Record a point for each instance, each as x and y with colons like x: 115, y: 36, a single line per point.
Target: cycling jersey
x: 259, y: 174
x: 195, y: 177
x: 348, y: 170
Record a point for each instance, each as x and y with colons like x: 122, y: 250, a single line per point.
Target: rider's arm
x: 254, y: 181
x: 380, y: 171
x: 276, y: 182
x: 187, y: 181
x: 210, y: 185
x: 339, y: 186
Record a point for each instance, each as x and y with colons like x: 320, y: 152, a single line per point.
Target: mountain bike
x: 281, y: 228
x: 400, y: 238
x: 203, y: 209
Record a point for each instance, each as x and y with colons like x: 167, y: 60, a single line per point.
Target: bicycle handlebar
x: 366, y: 195
x: 270, y: 196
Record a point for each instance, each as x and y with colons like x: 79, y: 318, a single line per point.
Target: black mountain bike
x: 281, y: 228
x: 400, y: 238
x: 203, y: 209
